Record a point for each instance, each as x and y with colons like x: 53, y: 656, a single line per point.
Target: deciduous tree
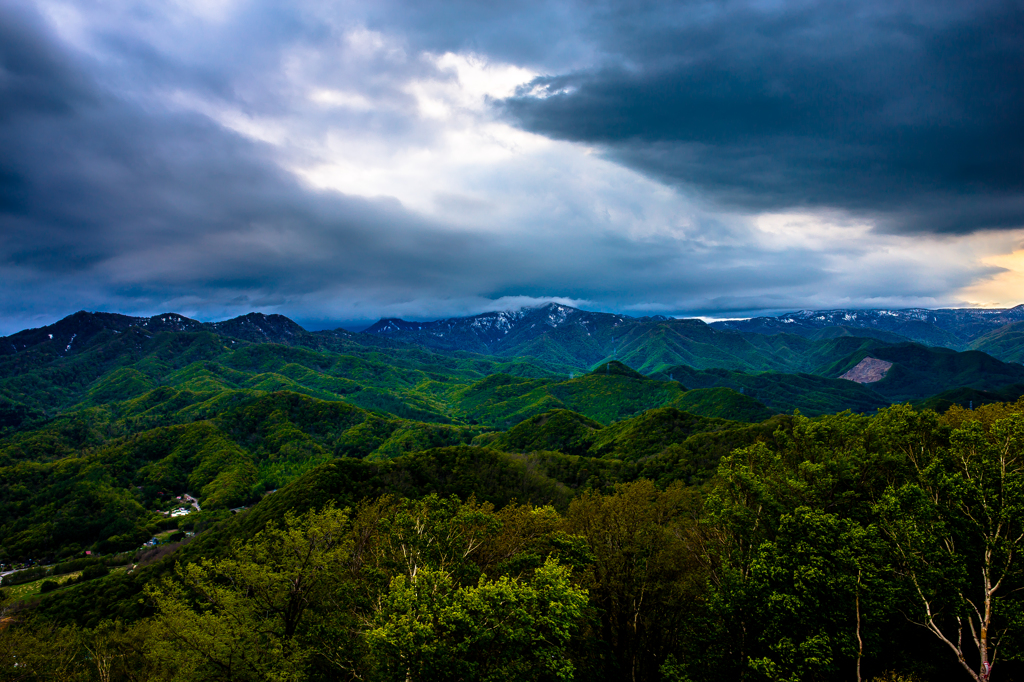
x: 958, y: 529
x: 245, y: 617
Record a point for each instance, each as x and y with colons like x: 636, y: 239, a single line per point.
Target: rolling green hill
x: 643, y: 436
x: 920, y: 371
x: 812, y: 395
x: 72, y: 485
x: 1005, y: 343
x: 117, y: 367
x: 53, y: 478
x: 970, y: 398
x: 610, y: 393
x: 112, y: 361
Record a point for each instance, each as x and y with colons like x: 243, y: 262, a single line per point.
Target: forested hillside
x: 250, y: 501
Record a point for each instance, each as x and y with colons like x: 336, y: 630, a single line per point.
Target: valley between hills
x: 677, y: 486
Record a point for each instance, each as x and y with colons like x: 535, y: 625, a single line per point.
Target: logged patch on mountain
x: 868, y: 371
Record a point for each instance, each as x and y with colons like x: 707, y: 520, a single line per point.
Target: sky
x: 342, y: 161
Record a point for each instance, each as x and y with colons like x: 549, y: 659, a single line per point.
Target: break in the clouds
x: 342, y: 161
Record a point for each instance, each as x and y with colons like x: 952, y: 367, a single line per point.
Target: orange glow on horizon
x: 1002, y: 290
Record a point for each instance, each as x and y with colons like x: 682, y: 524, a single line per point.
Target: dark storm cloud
x: 109, y: 203
x: 906, y: 112
x: 36, y: 76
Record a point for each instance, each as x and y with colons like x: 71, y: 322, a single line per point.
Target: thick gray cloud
x: 908, y: 112
x: 168, y: 156
x: 111, y: 204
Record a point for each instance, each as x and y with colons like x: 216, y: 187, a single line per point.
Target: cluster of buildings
x: 188, y: 501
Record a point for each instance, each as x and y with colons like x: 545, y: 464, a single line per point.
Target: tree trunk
x: 860, y: 642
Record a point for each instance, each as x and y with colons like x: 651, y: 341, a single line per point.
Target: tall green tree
x: 816, y: 588
x: 645, y: 578
x: 117, y: 651
x: 798, y: 573
x: 429, y: 628
x: 958, y: 530
x: 249, y: 616
x: 45, y: 652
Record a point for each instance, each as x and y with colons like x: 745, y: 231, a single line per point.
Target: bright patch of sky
x: 1004, y: 288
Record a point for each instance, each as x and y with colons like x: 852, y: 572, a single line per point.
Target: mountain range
x: 86, y: 358
x: 793, y: 361
x: 101, y: 415
x: 956, y: 328
x: 511, y: 332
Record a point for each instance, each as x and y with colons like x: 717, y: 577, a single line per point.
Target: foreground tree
x: 957, y: 530
x: 796, y: 566
x: 247, y: 617
x: 429, y: 628
x: 645, y: 578
x: 816, y: 589
x: 455, y: 590
x: 42, y: 653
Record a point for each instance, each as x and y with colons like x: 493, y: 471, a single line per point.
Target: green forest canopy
x: 384, y: 513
